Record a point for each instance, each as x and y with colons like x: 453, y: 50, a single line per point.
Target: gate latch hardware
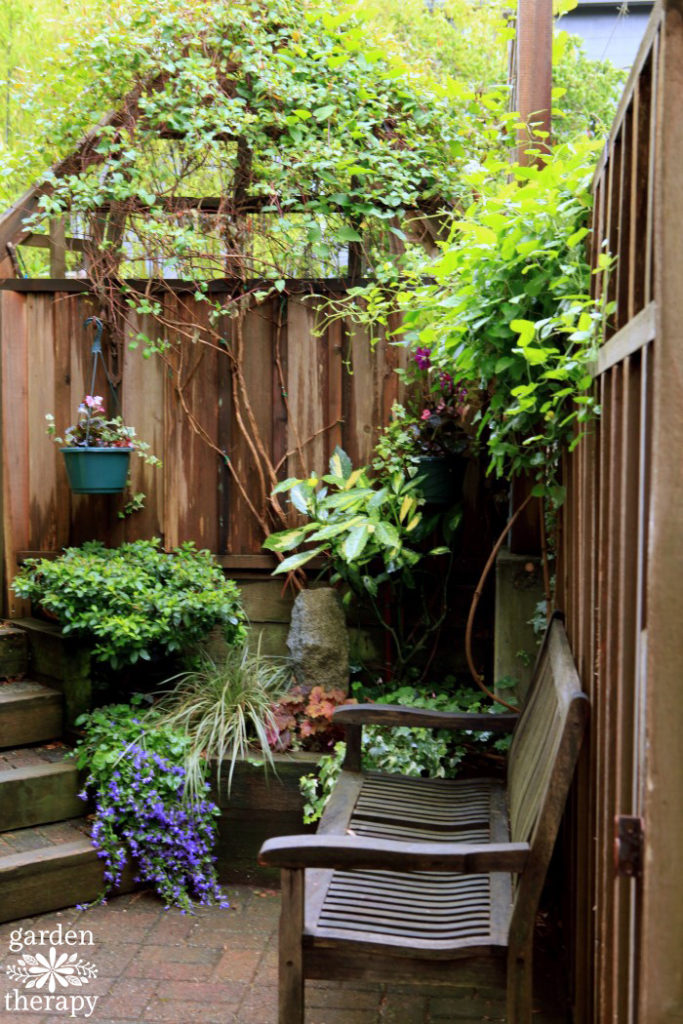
x: 628, y: 846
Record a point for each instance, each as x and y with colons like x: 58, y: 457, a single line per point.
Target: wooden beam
x: 220, y: 286
x: 12, y: 220
x: 533, y: 71
x: 57, y: 247
x: 38, y: 241
x: 629, y: 340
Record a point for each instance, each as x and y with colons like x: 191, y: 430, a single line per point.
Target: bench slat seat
x: 435, y: 911
x: 407, y: 877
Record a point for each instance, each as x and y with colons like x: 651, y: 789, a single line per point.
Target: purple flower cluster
x: 140, y: 813
x: 423, y: 358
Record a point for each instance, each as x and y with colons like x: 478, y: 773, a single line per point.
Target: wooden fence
x: 622, y: 566
x: 308, y: 393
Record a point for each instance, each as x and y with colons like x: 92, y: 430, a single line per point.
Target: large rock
x: 318, y: 640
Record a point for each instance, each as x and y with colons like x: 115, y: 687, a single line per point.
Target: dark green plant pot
x: 439, y: 479
x: 97, y: 470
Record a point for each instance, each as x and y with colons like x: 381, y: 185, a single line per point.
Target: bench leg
x: 520, y: 985
x: 291, y: 976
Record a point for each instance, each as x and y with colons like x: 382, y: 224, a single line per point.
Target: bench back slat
x: 538, y: 735
x: 541, y: 763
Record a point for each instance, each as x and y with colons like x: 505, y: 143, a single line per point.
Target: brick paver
x: 217, y: 967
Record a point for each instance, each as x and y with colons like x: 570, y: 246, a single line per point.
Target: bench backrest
x: 543, y: 754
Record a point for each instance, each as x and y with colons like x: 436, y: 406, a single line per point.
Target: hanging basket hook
x: 99, y: 327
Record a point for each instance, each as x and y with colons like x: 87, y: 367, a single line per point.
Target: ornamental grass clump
x: 224, y: 709
x: 136, y: 780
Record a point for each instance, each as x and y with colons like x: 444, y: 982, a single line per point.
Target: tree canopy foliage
x: 67, y: 56
x: 332, y: 141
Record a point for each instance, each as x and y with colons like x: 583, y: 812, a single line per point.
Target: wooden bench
x: 405, y: 877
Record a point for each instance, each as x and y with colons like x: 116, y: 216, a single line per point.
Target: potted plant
x: 97, y: 449
x: 434, y: 432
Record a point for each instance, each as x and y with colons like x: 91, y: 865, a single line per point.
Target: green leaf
x: 354, y: 544
x: 526, y: 330
x: 335, y: 529
x: 298, y: 497
x: 285, y: 485
x: 340, y: 464
x: 388, y: 535
x: 348, y: 234
x: 287, y: 539
x: 296, y: 561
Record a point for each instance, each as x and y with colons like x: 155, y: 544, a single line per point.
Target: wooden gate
x: 622, y: 565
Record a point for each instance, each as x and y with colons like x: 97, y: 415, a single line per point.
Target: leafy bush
x: 369, y: 527
x: 434, y: 753
x: 354, y: 520
x: 508, y: 307
x: 225, y: 708
x: 135, y: 601
x: 136, y: 779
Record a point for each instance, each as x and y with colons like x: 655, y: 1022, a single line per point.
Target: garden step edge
x: 52, y: 877
x: 39, y: 794
x: 13, y: 651
x: 30, y: 712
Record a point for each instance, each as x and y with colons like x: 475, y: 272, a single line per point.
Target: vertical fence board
x: 308, y: 380
x: 42, y: 465
x: 63, y: 309
x: 143, y: 408
x: 15, y: 464
x: 192, y: 467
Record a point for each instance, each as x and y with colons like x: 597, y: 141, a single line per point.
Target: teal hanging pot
x: 97, y: 470
x: 439, y: 479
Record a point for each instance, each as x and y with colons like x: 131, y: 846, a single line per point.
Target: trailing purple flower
x: 141, y: 812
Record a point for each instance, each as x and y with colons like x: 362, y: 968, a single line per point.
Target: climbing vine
x: 255, y: 142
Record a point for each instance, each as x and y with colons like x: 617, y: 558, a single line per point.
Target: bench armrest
x: 396, y: 714
x: 348, y: 852
x: 354, y: 716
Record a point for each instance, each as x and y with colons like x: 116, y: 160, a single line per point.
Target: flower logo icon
x: 50, y: 971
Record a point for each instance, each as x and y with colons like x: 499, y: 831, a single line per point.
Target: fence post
x: 661, y: 978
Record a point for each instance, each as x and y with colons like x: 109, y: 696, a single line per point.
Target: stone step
x: 49, y: 867
x: 13, y: 651
x: 30, y: 712
x: 38, y: 785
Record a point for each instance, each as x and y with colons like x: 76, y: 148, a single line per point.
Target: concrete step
x: 49, y: 867
x: 13, y: 651
x: 38, y: 785
x: 30, y: 712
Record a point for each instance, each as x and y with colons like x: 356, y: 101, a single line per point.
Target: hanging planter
x: 97, y: 470
x: 96, y: 449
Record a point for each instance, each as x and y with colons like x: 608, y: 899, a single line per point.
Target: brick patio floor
x: 220, y: 967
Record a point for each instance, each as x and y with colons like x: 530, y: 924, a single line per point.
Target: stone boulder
x: 318, y: 640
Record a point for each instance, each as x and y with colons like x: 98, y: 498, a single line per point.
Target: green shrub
x: 135, y: 601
